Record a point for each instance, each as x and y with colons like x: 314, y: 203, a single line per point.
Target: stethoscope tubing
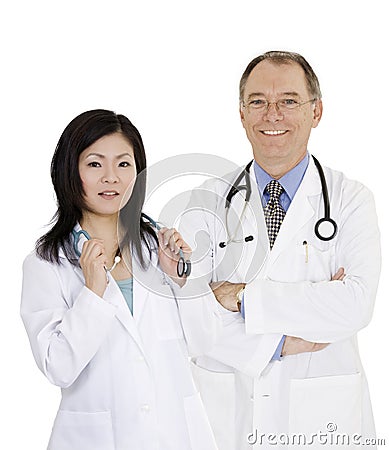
x: 184, y: 266
x: 236, y: 187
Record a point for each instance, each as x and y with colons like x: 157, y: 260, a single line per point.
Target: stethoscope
x: 184, y: 266
x: 325, y: 228
x: 76, y: 238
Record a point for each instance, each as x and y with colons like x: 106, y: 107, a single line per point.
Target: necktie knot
x: 274, y: 189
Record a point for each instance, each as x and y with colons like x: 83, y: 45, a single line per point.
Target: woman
x: 99, y: 312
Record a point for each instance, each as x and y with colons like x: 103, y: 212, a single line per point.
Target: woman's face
x: 108, y: 172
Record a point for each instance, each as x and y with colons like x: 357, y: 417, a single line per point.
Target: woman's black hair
x: 82, y: 132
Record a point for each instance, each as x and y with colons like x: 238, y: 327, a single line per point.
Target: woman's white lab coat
x: 289, y: 292
x: 126, y: 382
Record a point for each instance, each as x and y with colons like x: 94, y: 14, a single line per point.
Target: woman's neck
x: 102, y: 227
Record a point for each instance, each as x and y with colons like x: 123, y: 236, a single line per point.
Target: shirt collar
x: 290, y: 181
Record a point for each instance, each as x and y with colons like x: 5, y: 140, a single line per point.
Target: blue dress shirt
x: 290, y: 182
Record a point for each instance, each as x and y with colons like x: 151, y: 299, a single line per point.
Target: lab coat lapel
x: 114, y: 296
x: 259, y: 222
x: 300, y: 210
x: 145, y: 281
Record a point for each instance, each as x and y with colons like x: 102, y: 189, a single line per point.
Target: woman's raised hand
x: 170, y: 243
x: 93, y: 261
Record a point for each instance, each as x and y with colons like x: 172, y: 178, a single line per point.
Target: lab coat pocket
x: 316, y: 261
x: 168, y: 324
x: 75, y: 430
x: 199, y: 429
x: 331, y: 405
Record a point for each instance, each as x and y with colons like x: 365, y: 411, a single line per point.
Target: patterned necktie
x: 274, y: 212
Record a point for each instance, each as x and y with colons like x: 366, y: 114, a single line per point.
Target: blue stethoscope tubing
x: 76, y: 237
x: 184, y: 266
x: 325, y: 223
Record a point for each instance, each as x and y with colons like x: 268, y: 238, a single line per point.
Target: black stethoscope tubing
x: 326, y: 220
x: 326, y: 201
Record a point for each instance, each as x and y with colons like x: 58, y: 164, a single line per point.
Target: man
x: 304, y: 288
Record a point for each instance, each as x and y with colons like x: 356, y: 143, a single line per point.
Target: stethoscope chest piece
x: 326, y: 229
x: 184, y: 267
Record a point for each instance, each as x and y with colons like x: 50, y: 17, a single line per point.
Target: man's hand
x: 226, y: 293
x: 295, y: 345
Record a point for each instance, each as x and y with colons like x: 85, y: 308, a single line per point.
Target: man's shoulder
x: 223, y: 182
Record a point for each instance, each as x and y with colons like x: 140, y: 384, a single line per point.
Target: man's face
x: 279, y: 137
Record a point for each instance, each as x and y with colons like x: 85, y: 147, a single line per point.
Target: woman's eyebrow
x: 99, y: 155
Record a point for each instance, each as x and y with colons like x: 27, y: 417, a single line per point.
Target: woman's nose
x: 110, y: 176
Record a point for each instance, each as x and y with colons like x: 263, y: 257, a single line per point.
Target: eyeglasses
x: 283, y: 105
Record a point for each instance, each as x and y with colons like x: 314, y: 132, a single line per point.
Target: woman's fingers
x: 93, y: 261
x: 92, y: 248
x: 172, y: 239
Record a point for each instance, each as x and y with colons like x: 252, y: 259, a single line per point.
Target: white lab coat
x: 126, y: 380
x: 289, y: 292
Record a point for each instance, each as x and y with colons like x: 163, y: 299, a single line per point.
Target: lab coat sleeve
x: 212, y: 331
x: 63, y: 338
x: 247, y: 353
x: 326, y: 311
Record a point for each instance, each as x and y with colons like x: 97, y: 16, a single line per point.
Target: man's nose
x: 273, y: 113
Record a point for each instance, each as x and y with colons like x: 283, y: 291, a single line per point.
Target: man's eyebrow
x: 291, y: 94
x: 261, y: 94
x: 256, y: 94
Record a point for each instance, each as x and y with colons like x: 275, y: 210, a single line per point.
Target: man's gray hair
x: 279, y: 58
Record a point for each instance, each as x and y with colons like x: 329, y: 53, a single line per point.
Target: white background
x: 173, y: 68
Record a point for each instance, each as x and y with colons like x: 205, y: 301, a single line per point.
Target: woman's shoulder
x: 35, y: 261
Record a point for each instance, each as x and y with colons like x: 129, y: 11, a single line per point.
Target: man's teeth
x: 274, y: 132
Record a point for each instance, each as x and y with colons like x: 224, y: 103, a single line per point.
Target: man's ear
x: 241, y: 113
x: 317, y: 113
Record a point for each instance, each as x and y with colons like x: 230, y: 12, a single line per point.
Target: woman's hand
x: 170, y: 242
x: 93, y: 261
